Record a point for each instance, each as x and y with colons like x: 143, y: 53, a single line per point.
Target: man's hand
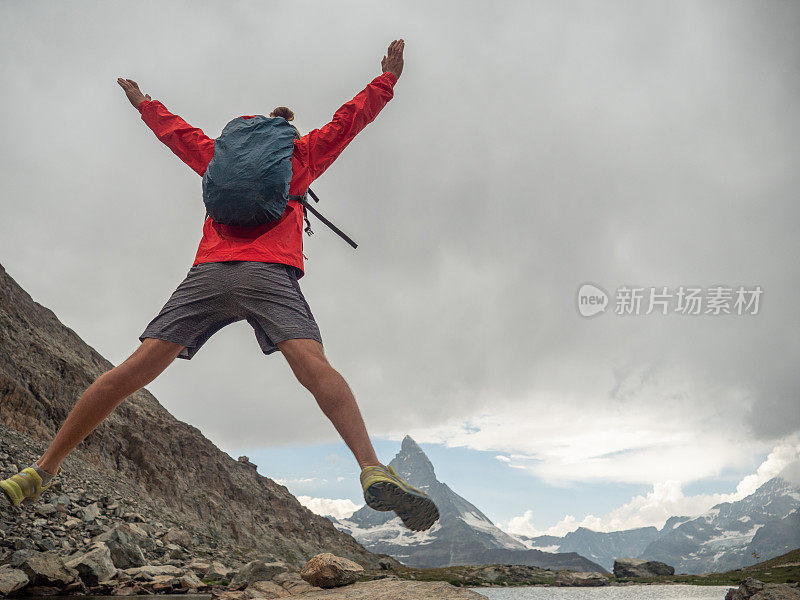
x: 135, y: 95
x: 393, y: 61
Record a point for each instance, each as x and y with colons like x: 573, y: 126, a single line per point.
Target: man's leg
x: 146, y: 363
x: 383, y: 489
x: 307, y: 360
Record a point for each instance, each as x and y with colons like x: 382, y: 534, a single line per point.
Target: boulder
x: 191, y: 581
x: 327, y: 570
x: 219, y: 572
x: 125, y: 542
x: 11, y: 580
x: 256, y: 570
x: 178, y: 536
x: 46, y: 569
x: 637, y: 567
x: 753, y: 589
x: 199, y: 567
x: 174, y: 551
x: 95, y: 565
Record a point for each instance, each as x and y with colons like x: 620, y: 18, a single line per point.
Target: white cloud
x: 296, y: 481
x: 782, y: 458
x: 656, y: 432
x: 665, y: 500
x: 341, y: 508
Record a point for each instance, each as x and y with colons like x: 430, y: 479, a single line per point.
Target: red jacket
x: 280, y: 241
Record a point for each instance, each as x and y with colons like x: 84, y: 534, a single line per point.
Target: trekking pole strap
x: 331, y: 226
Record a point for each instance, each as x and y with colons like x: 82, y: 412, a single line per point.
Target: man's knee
x: 307, y: 360
x: 140, y: 368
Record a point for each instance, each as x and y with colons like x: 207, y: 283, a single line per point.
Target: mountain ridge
x: 462, y: 536
x: 718, y: 540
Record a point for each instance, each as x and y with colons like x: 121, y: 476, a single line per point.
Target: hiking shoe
x: 25, y: 485
x: 385, y: 490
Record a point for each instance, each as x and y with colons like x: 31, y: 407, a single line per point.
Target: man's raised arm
x: 188, y: 143
x: 321, y: 147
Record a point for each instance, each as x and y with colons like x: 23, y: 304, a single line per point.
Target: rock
x: 191, y: 581
x: 11, y: 580
x: 47, y: 569
x: 76, y: 587
x: 46, y: 510
x: 246, y: 462
x: 753, y: 589
x: 62, y: 503
x: 293, y: 583
x: 393, y: 589
x: 747, y: 588
x: 266, y: 589
x: 148, y: 572
x: 94, y: 566
x: 163, y: 583
x: 125, y: 543
x: 178, y: 536
x: 104, y: 588
x: 327, y: 570
x: 232, y: 595
x: 133, y: 517
x: 256, y: 570
x: 219, y: 572
x: 636, y: 567
x: 90, y: 513
x: 18, y: 556
x: 174, y: 551
x: 581, y: 579
x: 131, y: 590
x: 199, y: 567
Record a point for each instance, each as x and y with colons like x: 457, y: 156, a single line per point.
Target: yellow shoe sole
x: 384, y: 490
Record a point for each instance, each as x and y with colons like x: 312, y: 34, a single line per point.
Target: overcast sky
x: 530, y: 148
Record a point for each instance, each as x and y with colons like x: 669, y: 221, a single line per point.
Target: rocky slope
x: 462, y: 536
x: 44, y: 366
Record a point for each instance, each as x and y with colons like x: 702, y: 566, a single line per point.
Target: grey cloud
x: 529, y: 148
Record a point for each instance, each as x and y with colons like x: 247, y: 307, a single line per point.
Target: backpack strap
x: 303, y: 200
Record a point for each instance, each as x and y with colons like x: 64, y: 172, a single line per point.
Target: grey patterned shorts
x: 217, y: 294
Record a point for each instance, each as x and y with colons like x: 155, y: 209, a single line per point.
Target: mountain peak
x: 412, y: 461
x: 409, y: 445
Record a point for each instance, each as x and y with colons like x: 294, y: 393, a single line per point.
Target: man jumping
x: 246, y: 273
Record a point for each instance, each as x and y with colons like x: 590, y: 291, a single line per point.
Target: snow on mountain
x: 463, y: 535
x: 719, y: 540
x: 766, y: 522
